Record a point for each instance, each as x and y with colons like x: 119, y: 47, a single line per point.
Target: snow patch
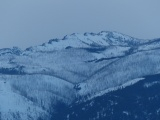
x: 129, y: 83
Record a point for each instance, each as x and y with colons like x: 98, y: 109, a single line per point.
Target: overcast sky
x: 25, y: 23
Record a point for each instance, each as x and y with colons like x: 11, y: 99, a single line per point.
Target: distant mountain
x: 76, y: 71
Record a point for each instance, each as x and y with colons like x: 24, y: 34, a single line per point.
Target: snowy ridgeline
x: 34, y: 80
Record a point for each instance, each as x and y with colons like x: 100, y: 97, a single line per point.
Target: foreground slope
x: 135, y: 102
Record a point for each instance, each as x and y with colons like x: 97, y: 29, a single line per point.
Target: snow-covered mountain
x: 79, y: 66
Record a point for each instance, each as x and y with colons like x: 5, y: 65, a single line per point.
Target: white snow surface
x: 14, y: 106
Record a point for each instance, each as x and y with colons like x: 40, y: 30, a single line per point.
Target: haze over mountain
x: 25, y: 23
x: 77, y: 71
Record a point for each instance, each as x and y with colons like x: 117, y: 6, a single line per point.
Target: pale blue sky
x: 25, y: 23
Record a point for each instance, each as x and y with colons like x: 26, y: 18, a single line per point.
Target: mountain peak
x: 88, y: 40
